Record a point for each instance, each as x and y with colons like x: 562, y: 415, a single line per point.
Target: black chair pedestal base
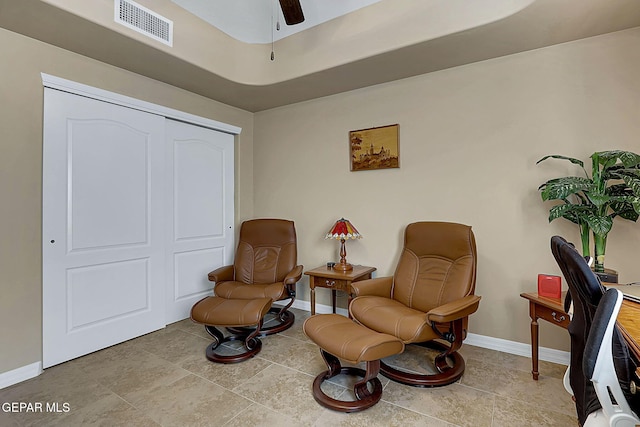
x: 447, y: 374
x: 251, y: 342
x: 365, y: 398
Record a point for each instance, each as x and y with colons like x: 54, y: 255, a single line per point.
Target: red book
x: 549, y: 286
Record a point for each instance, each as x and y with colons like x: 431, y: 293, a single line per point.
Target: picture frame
x: 374, y: 148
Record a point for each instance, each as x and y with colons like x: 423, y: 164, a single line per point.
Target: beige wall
x: 21, y: 96
x: 469, y: 140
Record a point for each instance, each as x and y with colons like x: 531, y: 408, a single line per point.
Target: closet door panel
x: 103, y: 225
x: 200, y: 197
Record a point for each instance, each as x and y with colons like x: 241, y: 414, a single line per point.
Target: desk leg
x: 534, y: 341
x: 313, y: 301
x: 333, y: 300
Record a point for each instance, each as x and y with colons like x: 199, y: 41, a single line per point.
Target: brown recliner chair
x: 264, y: 266
x: 427, y: 301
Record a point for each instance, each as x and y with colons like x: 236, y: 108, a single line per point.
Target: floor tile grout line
x: 225, y: 388
x: 145, y: 413
x: 498, y: 395
x: 258, y: 404
x: 253, y: 402
x: 417, y: 412
x: 493, y: 412
x: 288, y: 367
x: 240, y: 413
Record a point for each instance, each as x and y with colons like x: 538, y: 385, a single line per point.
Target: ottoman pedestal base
x: 365, y: 398
x: 282, y: 317
x: 234, y: 313
x: 339, y: 337
x: 251, y: 342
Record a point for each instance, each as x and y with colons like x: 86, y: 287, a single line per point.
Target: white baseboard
x: 320, y: 308
x: 20, y: 374
x: 518, y: 348
x: 498, y: 344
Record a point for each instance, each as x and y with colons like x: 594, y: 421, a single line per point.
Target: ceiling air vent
x: 140, y: 19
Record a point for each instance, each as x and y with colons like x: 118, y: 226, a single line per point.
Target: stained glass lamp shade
x: 343, y: 230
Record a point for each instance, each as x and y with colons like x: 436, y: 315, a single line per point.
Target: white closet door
x: 103, y: 225
x: 200, y: 200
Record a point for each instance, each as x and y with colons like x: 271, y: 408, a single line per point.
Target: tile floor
x: 164, y: 379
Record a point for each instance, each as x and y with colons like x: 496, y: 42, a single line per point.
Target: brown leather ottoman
x: 339, y: 337
x: 216, y: 311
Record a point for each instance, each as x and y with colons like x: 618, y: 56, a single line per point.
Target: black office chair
x: 586, y: 291
x: 598, y: 365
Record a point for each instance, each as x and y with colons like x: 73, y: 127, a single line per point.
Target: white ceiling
x: 254, y: 21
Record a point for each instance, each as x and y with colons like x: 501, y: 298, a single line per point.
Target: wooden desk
x: 629, y: 324
x: 323, y: 277
x: 552, y: 310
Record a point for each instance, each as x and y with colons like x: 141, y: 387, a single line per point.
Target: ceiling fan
x: 292, y: 11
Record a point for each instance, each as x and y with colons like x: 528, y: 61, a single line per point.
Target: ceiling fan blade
x: 292, y: 11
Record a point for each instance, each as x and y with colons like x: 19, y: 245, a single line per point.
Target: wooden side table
x: 552, y: 310
x: 549, y: 309
x: 328, y: 278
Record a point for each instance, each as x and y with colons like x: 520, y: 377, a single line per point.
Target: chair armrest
x: 454, y: 310
x: 222, y: 274
x: 293, y: 276
x: 380, y: 286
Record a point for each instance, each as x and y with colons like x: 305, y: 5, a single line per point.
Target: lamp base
x: 343, y: 266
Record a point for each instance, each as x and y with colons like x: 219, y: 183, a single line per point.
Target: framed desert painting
x: 374, y: 148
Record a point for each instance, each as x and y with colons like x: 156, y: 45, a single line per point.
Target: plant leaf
x: 633, y: 183
x: 627, y: 158
x: 627, y: 211
x: 600, y: 225
x: 612, y: 172
x: 604, y: 158
x: 561, y: 188
x: 635, y: 202
x: 599, y: 199
x: 572, y: 212
x: 557, y: 156
x: 619, y: 190
x: 563, y: 211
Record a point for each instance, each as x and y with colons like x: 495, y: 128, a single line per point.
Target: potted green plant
x: 593, y: 201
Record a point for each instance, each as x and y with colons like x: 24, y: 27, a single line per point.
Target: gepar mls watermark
x: 55, y: 407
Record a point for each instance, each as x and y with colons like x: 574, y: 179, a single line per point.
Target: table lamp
x: 343, y: 230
